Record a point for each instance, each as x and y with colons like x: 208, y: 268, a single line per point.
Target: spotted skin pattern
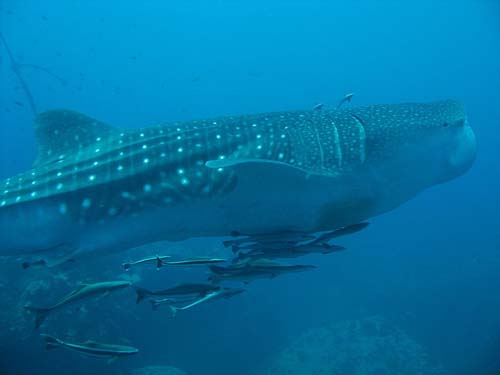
x: 93, y: 171
x: 96, y: 171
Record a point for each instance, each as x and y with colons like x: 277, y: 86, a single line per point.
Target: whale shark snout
x: 460, y: 151
x: 464, y: 153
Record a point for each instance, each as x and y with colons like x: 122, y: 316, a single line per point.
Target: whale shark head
x: 431, y: 141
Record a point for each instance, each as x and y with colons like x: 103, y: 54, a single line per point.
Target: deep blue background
x: 432, y: 265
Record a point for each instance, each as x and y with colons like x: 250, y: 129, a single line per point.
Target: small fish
x: 318, y: 107
x: 253, y: 270
x: 265, y: 245
x: 195, y: 261
x: 91, y: 348
x: 289, y: 252
x: 156, y: 303
x: 349, y: 229
x: 158, y: 260
x: 36, y: 263
x: 82, y: 292
x: 279, y: 237
x: 222, y: 293
x: 346, y: 98
x: 179, y: 290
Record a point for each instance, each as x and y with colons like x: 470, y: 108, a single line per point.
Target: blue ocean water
x: 430, y: 267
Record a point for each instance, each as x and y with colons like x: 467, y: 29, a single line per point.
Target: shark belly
x: 33, y: 227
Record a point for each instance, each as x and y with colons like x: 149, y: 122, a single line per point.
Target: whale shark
x: 98, y: 189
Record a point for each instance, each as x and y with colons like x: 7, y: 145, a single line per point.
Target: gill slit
x: 362, y: 137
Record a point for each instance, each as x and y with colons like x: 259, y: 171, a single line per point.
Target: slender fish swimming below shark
x: 91, y: 348
x: 84, y: 291
x: 98, y: 189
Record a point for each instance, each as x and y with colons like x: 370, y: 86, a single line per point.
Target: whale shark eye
x: 445, y: 125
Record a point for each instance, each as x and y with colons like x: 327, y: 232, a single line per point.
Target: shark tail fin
x: 40, y: 314
x: 50, y: 342
x: 141, y: 294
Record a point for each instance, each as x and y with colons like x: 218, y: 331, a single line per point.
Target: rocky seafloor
x: 368, y: 346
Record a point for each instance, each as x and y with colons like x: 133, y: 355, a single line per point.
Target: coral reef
x: 357, y: 347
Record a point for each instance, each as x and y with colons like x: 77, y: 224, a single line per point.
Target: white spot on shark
x: 63, y: 208
x: 147, y: 188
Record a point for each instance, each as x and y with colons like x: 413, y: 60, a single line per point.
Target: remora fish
x: 289, y: 252
x: 199, y: 261
x: 155, y: 303
x: 179, y: 290
x: 346, y: 98
x: 349, y: 229
x: 91, y: 348
x: 280, y: 237
x: 290, y: 246
x: 95, y: 188
x: 252, y: 270
x: 222, y: 293
x: 82, y: 292
x: 158, y: 260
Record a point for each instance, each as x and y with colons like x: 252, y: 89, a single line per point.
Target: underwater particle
x: 86, y: 203
x: 63, y: 208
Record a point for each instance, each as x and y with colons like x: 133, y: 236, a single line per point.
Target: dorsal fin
x: 62, y: 132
